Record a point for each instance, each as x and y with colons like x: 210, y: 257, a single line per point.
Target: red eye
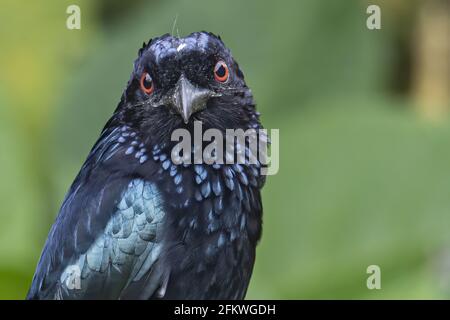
x: 147, y: 83
x: 221, y: 71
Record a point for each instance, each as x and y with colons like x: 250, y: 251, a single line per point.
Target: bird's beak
x: 188, y: 98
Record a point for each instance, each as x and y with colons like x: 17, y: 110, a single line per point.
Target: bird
x: 135, y: 224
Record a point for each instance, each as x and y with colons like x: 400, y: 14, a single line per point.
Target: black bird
x: 136, y: 225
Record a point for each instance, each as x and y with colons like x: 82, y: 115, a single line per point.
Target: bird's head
x: 177, y: 81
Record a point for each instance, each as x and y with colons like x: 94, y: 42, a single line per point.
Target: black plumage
x: 137, y: 226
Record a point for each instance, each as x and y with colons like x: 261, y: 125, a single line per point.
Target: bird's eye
x: 147, y: 83
x: 221, y: 71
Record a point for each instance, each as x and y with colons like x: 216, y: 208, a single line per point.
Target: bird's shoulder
x: 108, y: 224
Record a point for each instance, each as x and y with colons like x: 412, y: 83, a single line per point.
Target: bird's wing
x: 105, y: 242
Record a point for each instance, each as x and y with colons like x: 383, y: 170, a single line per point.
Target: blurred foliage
x: 362, y: 179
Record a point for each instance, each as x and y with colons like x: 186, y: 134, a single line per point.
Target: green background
x: 364, y: 178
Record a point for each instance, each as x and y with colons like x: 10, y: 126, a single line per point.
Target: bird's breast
x: 209, y: 243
